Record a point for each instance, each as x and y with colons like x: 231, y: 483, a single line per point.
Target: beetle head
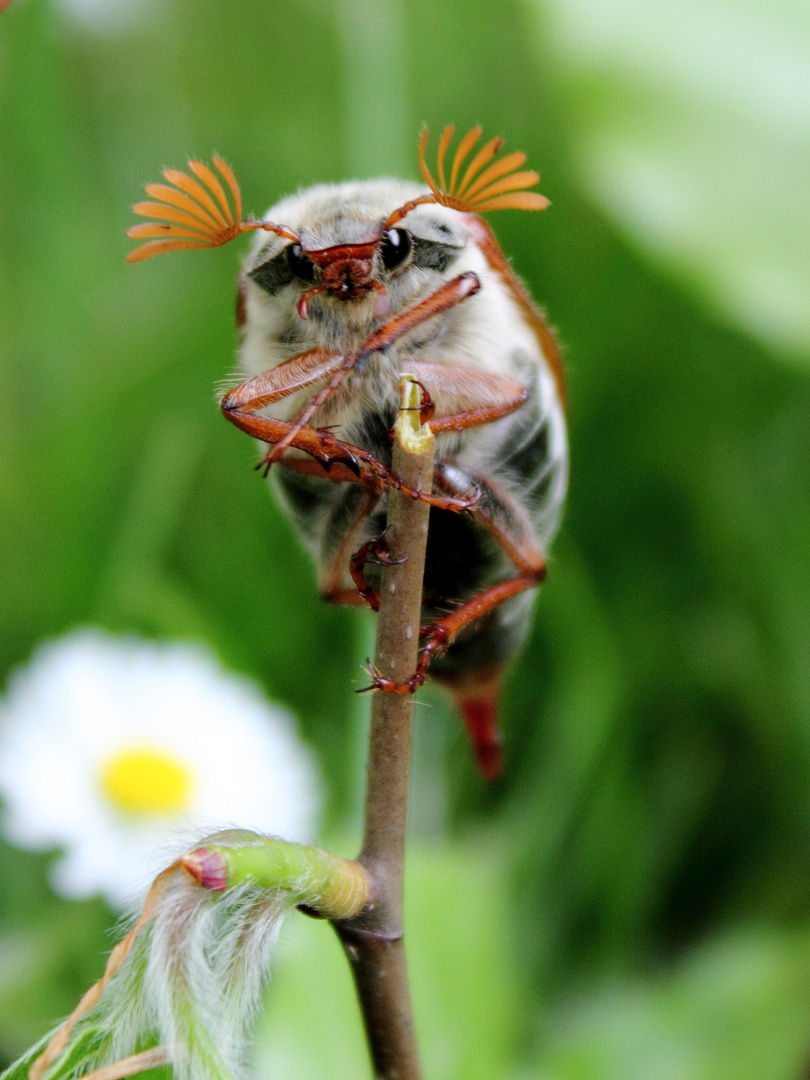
x: 344, y: 271
x: 347, y: 271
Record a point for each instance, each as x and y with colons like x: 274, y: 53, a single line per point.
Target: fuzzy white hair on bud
x: 183, y: 985
x: 193, y: 979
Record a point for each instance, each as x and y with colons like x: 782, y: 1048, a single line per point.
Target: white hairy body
x: 488, y: 332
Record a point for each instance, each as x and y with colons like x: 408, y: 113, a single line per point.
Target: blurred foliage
x: 693, y: 130
x: 466, y: 996
x: 653, y: 831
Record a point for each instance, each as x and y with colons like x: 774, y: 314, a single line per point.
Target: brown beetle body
x: 479, y: 355
x: 363, y: 281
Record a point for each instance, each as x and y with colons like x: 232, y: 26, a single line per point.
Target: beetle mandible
x: 364, y: 280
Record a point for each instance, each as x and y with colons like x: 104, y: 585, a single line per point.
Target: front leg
x: 334, y: 459
x: 444, y: 298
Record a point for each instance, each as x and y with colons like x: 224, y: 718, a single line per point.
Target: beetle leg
x: 340, y: 461
x: 466, y: 397
x: 280, y: 381
x: 439, y: 636
x: 336, y: 460
x: 504, y: 519
x: 331, y: 586
x: 374, y: 550
x: 444, y: 298
x: 514, y: 536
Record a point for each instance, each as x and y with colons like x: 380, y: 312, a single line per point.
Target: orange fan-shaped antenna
x: 486, y: 184
x: 195, y: 213
x: 500, y: 186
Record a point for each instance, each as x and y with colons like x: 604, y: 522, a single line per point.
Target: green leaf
x: 691, y: 126
x: 735, y: 1009
x: 19, y: 1069
x: 81, y: 1056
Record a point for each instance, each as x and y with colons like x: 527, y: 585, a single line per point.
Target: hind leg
x: 502, y: 518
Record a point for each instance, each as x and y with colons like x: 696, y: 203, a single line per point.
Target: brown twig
x: 374, y: 941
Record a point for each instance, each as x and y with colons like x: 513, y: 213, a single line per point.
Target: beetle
x: 364, y: 280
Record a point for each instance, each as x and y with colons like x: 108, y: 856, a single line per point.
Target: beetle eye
x: 299, y: 264
x: 395, y: 248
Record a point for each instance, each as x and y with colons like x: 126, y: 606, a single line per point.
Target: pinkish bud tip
x: 207, y: 868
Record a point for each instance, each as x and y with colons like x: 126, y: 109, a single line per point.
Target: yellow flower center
x: 143, y: 780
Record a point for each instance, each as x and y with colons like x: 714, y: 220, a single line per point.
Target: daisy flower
x: 121, y: 751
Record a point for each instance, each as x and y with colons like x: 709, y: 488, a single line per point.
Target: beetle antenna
x: 486, y: 184
x: 195, y: 213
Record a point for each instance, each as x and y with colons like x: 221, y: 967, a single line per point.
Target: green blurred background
x: 633, y: 899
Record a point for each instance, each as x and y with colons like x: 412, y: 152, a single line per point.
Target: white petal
x: 89, y: 696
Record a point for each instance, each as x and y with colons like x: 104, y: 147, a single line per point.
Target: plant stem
x: 374, y: 940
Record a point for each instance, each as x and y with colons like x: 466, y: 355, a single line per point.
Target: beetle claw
x: 375, y: 677
x: 351, y: 462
